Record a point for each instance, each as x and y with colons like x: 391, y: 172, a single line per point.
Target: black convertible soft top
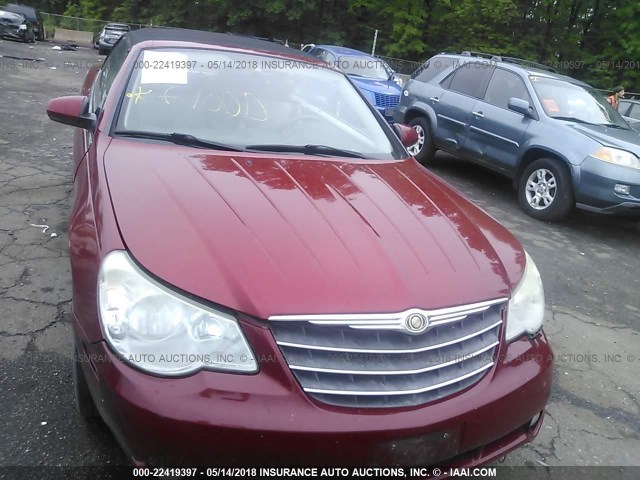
x: 214, y: 38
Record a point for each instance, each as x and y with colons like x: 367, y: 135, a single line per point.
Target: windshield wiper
x: 177, y: 138
x: 573, y: 119
x: 322, y: 150
x: 613, y: 125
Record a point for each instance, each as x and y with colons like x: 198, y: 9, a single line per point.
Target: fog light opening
x: 534, y: 420
x: 622, y: 189
x: 534, y: 335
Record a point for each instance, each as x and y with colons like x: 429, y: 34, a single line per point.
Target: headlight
x: 526, y: 307
x: 163, y: 332
x: 617, y: 157
x: 22, y: 27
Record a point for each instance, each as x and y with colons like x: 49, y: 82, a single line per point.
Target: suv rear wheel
x: 544, y: 190
x: 424, y: 149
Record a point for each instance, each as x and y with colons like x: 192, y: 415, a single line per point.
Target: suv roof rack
x: 514, y: 60
x: 528, y: 63
x: 490, y: 56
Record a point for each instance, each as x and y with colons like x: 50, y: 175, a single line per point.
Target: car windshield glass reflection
x: 11, y: 18
x: 568, y: 101
x: 364, y: 67
x: 240, y: 99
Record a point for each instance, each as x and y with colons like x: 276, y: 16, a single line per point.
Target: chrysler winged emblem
x: 416, y: 323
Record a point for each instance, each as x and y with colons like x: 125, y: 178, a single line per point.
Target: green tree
x: 579, y: 36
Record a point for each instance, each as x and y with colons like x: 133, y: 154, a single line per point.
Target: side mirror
x: 521, y: 106
x: 407, y: 135
x: 71, y: 111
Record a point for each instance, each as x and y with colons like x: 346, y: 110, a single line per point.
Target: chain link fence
x: 51, y: 21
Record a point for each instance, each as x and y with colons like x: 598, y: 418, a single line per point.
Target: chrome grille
x: 387, y: 101
x: 375, y: 361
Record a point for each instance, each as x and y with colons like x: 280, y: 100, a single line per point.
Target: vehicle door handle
x: 435, y: 99
x: 478, y: 114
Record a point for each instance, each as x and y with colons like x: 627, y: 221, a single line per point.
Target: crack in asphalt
x: 552, y: 450
x: 23, y: 247
x: 24, y: 276
x: 595, y: 324
x: 35, y: 302
x: 620, y: 416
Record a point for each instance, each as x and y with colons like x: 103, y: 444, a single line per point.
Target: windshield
x: 368, y: 67
x: 240, y: 99
x: 565, y: 100
x: 117, y: 28
x: 28, y: 13
x: 7, y: 18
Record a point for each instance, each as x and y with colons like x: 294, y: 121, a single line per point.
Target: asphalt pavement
x: 590, y: 267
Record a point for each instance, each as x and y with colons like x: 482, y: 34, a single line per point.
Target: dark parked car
x: 31, y: 14
x: 108, y: 36
x: 259, y: 268
x: 14, y: 26
x: 630, y: 108
x: 559, y: 139
x: 633, y: 123
x: 630, y: 111
x: 373, y: 76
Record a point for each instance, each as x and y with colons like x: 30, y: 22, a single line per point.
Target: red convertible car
x: 263, y: 275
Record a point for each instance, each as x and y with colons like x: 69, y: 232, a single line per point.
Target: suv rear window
x: 431, y: 68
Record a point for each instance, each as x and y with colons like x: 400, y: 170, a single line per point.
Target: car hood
x: 612, y: 137
x: 268, y: 236
x: 388, y: 87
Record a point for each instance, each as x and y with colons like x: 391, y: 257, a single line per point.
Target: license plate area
x: 420, y: 450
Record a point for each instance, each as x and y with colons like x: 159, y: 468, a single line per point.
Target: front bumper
x: 399, y: 113
x: 13, y: 34
x: 386, y: 112
x: 594, y: 189
x: 266, y: 419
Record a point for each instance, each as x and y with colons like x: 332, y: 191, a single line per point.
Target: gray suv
x: 557, y: 138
